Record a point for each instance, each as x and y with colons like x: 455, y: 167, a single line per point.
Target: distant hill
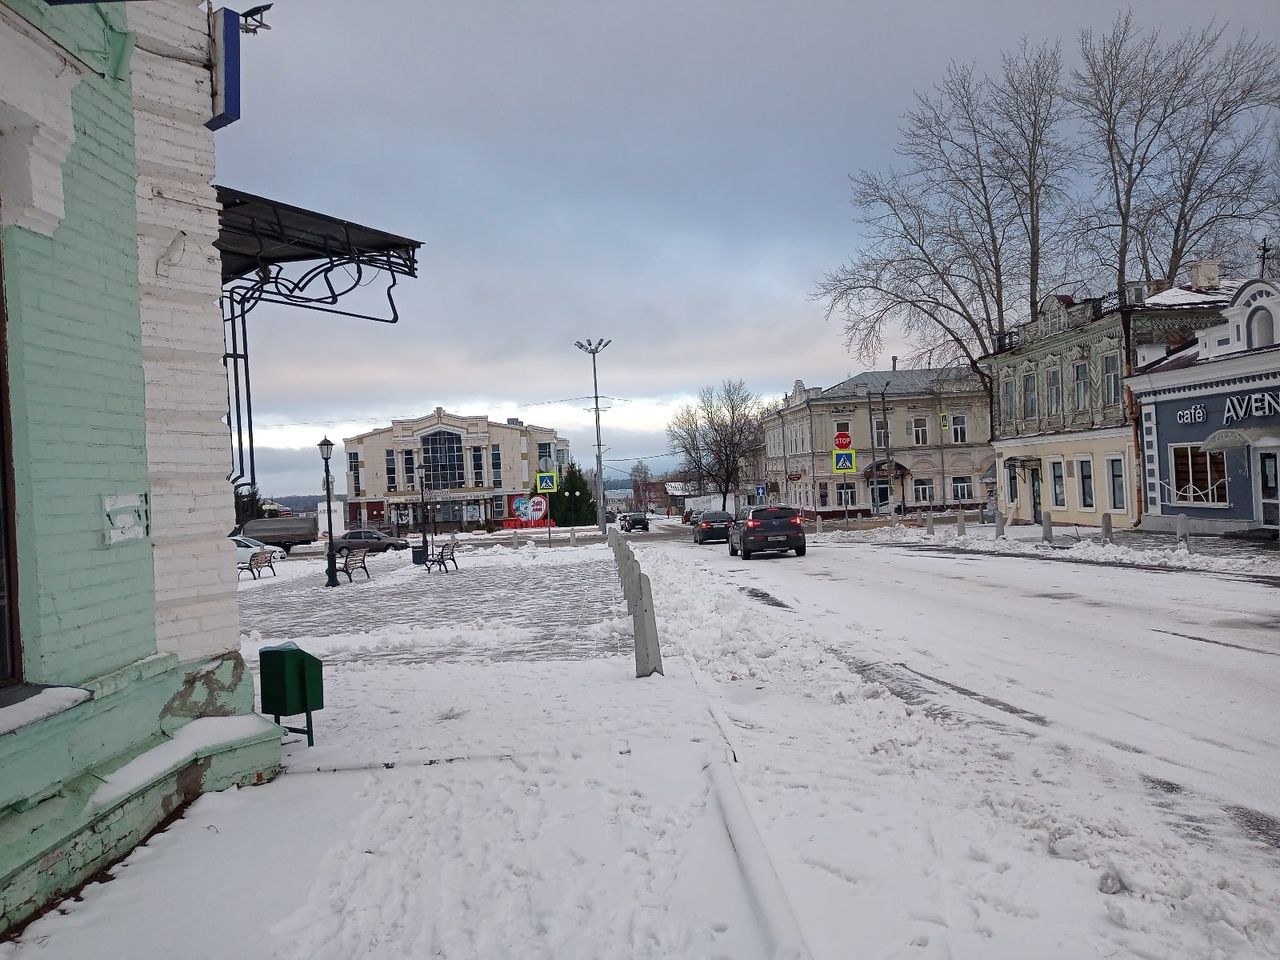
x: 307, y: 502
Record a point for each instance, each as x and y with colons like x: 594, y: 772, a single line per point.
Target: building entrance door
x: 1035, y: 494
x: 1270, y: 490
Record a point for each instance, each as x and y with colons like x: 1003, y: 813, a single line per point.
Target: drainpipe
x: 871, y: 424
x: 813, y: 460
x: 1131, y: 410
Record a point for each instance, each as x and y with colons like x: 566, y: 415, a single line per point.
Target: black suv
x: 634, y: 521
x: 760, y: 529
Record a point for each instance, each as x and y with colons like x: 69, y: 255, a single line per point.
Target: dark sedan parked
x: 375, y: 541
x: 760, y: 529
x: 714, y: 525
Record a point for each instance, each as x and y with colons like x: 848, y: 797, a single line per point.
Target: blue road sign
x: 547, y: 482
x: 843, y: 461
x: 760, y: 490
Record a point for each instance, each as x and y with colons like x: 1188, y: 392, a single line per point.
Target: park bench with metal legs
x: 255, y: 563
x: 443, y: 557
x: 353, y: 560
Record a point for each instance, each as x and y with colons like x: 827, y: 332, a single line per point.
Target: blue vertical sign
x: 224, y: 28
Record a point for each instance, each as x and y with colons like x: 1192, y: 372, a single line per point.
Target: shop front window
x: 1198, y: 477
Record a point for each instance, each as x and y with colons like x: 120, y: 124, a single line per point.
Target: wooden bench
x: 353, y: 560
x: 255, y: 563
x: 442, y: 557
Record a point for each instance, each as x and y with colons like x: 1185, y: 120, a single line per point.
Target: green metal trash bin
x: 291, y: 684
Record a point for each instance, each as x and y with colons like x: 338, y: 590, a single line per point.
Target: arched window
x: 442, y: 456
x: 1261, y: 328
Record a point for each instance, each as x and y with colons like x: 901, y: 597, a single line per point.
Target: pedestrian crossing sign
x: 843, y: 461
x: 548, y: 483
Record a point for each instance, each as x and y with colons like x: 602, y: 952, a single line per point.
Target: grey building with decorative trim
x: 1210, y: 421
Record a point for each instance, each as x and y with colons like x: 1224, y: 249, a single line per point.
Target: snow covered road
x: 1174, y: 671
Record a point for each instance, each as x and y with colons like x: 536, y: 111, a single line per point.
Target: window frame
x: 880, y: 434
x: 1011, y: 483
x: 1058, y: 483
x: 960, y: 428
x: 920, y: 431
x: 919, y: 484
x: 842, y: 426
x: 1053, y: 391
x: 846, y: 493
x: 1087, y: 504
x: 957, y: 483
x: 389, y: 464
x: 1110, y: 378
x: 1221, y: 456
x: 1112, y: 505
x: 451, y: 474
x: 1080, y: 384
x: 1030, y: 411
x: 1008, y: 412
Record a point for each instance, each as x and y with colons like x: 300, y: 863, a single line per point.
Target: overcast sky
x: 669, y: 174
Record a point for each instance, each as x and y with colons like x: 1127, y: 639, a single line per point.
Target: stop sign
x: 843, y: 441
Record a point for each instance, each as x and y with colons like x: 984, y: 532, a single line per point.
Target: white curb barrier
x: 757, y: 867
x: 639, y: 597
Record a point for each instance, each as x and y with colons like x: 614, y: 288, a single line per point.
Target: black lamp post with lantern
x: 422, y: 500
x: 331, y: 561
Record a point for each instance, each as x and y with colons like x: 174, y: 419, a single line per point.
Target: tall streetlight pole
x: 594, y: 349
x: 331, y: 568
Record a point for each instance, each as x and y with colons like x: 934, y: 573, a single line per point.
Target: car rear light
x: 704, y: 524
x: 798, y: 520
x: 753, y: 523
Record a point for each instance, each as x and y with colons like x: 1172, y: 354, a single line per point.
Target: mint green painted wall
x: 76, y: 385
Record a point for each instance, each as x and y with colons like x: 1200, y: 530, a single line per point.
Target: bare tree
x: 1027, y: 116
x: 712, y: 434
x: 956, y: 240
x: 640, y: 480
x: 1176, y: 136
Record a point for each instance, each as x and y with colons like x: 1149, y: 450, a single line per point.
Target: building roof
x: 903, y: 382
x: 1188, y: 296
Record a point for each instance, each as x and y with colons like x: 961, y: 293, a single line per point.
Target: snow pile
x: 1063, y: 547
x: 44, y: 703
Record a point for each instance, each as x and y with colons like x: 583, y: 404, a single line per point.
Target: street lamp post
x: 422, y: 501
x: 594, y: 349
x: 331, y: 561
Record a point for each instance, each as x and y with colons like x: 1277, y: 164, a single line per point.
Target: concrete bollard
x: 960, y: 524
x: 999, y: 525
x: 1184, y: 536
x: 928, y: 524
x: 819, y: 525
x: 1046, y: 527
x: 515, y: 538
x: 573, y: 536
x: 648, y: 654
x: 1106, y: 528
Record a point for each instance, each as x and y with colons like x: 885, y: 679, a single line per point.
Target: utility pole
x: 594, y: 349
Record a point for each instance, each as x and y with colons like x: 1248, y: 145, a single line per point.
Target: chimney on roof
x: 1135, y: 293
x: 1203, y: 274
x: 895, y: 362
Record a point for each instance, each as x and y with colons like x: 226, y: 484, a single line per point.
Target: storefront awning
x: 1231, y: 437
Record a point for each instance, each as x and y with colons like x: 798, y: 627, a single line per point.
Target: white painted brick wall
x: 187, y: 445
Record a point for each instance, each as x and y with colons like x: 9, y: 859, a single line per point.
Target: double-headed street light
x: 594, y: 349
x: 326, y: 451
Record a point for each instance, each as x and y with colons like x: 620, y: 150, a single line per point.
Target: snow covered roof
x: 903, y: 382
x: 1189, y: 296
